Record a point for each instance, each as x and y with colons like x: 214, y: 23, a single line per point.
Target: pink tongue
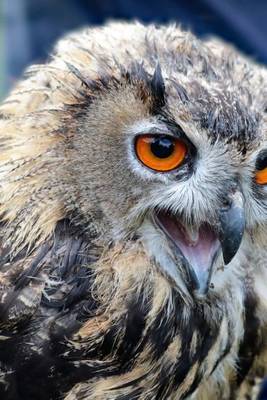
x: 198, y: 247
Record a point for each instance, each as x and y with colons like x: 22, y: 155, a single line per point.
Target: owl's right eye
x: 161, y: 153
x: 261, y: 169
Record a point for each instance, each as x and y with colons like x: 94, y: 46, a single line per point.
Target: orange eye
x: 161, y: 153
x: 261, y: 176
x: 261, y: 168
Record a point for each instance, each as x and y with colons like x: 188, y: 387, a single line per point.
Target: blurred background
x: 28, y: 28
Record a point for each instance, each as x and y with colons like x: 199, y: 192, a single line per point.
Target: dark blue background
x: 32, y: 26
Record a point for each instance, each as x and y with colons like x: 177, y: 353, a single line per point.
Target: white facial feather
x: 196, y: 199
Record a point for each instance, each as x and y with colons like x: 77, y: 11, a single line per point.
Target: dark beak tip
x: 227, y: 258
x: 232, y: 227
x: 231, y: 237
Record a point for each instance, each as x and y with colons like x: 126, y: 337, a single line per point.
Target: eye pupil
x: 162, y: 147
x: 261, y: 162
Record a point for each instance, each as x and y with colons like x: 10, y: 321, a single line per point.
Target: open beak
x: 198, y: 248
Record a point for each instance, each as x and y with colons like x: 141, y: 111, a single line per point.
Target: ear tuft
x: 158, y: 88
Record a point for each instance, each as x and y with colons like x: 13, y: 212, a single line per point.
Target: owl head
x: 157, y: 137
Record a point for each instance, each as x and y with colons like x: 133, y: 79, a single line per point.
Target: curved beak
x: 198, y: 248
x: 232, y: 226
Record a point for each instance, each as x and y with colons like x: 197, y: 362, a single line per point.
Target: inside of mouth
x: 198, y: 245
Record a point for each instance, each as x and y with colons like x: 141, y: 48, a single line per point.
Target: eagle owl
x: 133, y: 171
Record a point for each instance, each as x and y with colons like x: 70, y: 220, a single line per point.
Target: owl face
x: 182, y: 162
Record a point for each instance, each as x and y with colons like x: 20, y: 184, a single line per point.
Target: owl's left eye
x: 261, y: 169
x: 161, y: 153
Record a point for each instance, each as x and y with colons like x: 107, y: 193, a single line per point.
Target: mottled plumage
x: 96, y: 303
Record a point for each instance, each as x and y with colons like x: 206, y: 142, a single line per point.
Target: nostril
x: 227, y: 201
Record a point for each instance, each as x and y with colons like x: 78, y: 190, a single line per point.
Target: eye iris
x: 162, y: 147
x: 261, y: 168
x: 160, y: 153
x: 261, y: 177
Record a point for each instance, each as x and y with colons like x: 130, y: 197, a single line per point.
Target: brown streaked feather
x: 98, y: 331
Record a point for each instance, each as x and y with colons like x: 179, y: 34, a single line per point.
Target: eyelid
x: 157, y: 132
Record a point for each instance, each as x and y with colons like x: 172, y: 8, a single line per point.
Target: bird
x: 133, y: 187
